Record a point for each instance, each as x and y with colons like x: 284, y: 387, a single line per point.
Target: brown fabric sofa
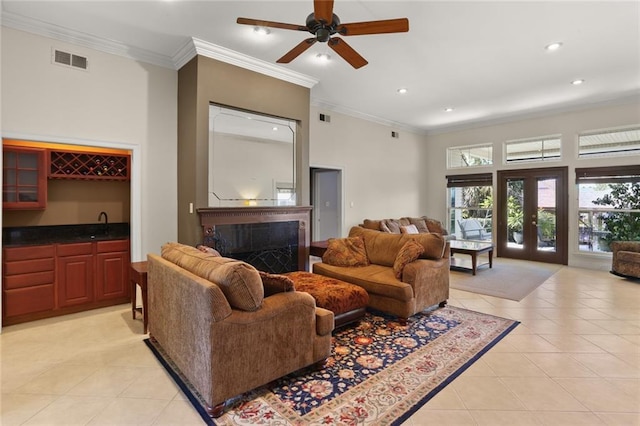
x: 423, y: 224
x: 210, y: 317
x: 626, y: 258
x: 423, y: 282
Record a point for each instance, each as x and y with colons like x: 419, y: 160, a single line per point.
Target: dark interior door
x: 533, y: 214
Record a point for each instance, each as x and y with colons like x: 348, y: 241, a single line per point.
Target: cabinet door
x: 24, y: 178
x: 112, y: 278
x: 75, y: 280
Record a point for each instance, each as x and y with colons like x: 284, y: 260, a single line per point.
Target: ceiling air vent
x: 70, y: 60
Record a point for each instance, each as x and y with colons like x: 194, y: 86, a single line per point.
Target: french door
x: 533, y: 214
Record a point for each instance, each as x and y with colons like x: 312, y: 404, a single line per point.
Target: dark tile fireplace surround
x: 272, y: 239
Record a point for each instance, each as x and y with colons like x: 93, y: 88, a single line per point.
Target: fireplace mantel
x: 214, y: 216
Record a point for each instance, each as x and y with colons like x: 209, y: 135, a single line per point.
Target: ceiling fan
x: 323, y: 24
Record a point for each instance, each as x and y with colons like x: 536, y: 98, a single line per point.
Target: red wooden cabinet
x: 112, y: 277
x: 24, y: 185
x: 75, y: 274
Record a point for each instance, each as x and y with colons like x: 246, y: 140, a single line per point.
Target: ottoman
x: 348, y: 302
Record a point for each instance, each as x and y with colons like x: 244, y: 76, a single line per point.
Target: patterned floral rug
x: 380, y: 371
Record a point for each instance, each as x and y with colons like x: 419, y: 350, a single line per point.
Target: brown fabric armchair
x: 626, y: 258
x: 209, y: 316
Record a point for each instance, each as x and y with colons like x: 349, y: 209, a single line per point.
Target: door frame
x: 531, y: 252
x: 315, y: 196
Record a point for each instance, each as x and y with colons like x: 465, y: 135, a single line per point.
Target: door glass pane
x: 515, y: 204
x: 546, y: 215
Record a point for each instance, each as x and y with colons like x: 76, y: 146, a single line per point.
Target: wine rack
x: 88, y: 165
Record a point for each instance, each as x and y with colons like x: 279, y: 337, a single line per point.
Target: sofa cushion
x: 409, y: 229
x: 435, y: 226
x: 419, y: 223
x: 382, y: 248
x: 371, y: 224
x: 239, y: 281
x: 349, y: 251
x: 392, y: 226
x: 275, y: 283
x: 409, y: 252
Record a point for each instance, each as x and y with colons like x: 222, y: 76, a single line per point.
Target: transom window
x: 469, y: 156
x: 609, y: 143
x: 535, y: 149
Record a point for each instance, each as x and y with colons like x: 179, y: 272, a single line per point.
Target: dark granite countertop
x: 60, y: 234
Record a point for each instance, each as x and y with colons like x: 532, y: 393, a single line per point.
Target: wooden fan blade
x: 323, y: 11
x: 374, y: 27
x: 271, y: 24
x: 296, y: 51
x: 348, y: 54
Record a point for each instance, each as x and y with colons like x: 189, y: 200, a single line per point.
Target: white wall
x: 117, y: 102
x: 383, y: 177
x: 568, y: 124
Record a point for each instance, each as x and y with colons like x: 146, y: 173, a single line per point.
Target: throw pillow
x: 409, y: 229
x: 275, y: 283
x: 420, y: 224
x: 346, y: 252
x: 435, y: 226
x: 409, y: 252
x: 393, y: 225
x: 384, y: 227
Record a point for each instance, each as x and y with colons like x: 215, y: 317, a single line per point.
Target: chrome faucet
x: 106, y: 221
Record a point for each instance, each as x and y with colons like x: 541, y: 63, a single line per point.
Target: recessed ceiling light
x: 449, y: 109
x: 554, y: 46
x: 262, y: 31
x: 577, y: 82
x: 402, y: 90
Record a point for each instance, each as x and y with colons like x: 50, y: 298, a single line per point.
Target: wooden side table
x: 138, y: 275
x: 317, y: 248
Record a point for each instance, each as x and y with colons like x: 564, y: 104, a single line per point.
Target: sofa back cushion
x: 382, y: 248
x: 239, y: 281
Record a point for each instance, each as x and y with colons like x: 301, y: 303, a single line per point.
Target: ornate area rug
x: 379, y: 373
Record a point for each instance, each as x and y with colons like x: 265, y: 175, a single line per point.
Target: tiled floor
x: 575, y: 359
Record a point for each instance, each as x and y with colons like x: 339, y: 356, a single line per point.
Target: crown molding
x: 45, y: 29
x: 196, y: 46
x: 367, y: 117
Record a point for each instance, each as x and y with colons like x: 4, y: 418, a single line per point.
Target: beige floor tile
x: 130, y: 411
x: 108, y: 381
x: 607, y: 365
x: 619, y: 419
x: 572, y: 343
x: 486, y: 393
x: 600, y: 395
x: 58, y: 380
x: 152, y: 383
x: 568, y: 419
x: 530, y: 343
x: 446, y: 399
x: 69, y: 411
x: 506, y: 364
x: 441, y: 418
x: 503, y: 418
x: 560, y: 365
x: 543, y: 394
x: 178, y: 413
x: 16, y: 409
x: 614, y: 344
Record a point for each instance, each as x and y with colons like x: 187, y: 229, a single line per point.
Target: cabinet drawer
x: 28, y: 300
x: 29, y: 266
x: 111, y: 246
x: 74, y: 249
x: 29, y: 280
x: 30, y: 252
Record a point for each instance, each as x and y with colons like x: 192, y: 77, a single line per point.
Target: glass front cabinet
x: 24, y: 180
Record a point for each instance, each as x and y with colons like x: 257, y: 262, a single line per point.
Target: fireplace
x: 273, y: 239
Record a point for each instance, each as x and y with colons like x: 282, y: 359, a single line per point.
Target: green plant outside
x: 621, y: 226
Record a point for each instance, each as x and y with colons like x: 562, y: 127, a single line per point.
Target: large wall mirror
x: 251, y: 159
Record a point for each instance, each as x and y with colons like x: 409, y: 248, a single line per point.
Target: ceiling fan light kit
x: 323, y: 24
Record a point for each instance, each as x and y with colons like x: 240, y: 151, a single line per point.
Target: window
x: 470, y: 206
x: 537, y: 149
x: 469, y: 156
x: 608, y: 206
x: 609, y: 143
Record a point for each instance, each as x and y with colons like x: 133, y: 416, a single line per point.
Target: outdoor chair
x: 472, y: 229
